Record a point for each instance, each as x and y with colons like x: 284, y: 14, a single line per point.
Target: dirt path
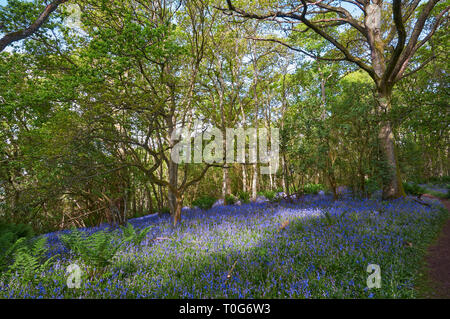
x: 438, y: 261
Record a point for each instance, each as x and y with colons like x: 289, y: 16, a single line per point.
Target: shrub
x: 244, y: 197
x: 312, y: 188
x: 230, y: 199
x: 371, y: 186
x: 164, y: 210
x: 440, y: 180
x: 270, y: 195
x: 139, y: 213
x: 413, y: 189
x: 10, y: 233
x: 204, y: 202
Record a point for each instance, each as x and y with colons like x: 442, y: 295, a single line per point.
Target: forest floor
x: 314, y: 247
x: 437, y: 267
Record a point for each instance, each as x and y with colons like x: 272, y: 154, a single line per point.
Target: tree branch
x: 302, y: 17
x: 348, y: 17
x: 431, y: 58
x: 417, y: 30
x: 316, y: 57
x: 398, y: 21
x: 24, y: 33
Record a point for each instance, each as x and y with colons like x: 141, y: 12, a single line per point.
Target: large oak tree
x: 361, y: 32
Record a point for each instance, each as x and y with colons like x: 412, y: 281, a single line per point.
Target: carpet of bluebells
x: 441, y: 189
x: 243, y: 252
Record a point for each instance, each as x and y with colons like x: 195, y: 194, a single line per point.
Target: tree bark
x: 178, y: 206
x: 172, y: 168
x: 255, y: 181
x: 392, y: 183
x: 9, y: 38
x: 226, y: 187
x: 173, y: 181
x: 244, y: 178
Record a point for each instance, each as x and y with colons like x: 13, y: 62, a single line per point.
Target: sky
x: 3, y: 2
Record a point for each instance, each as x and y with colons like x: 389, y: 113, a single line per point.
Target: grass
x: 242, y: 252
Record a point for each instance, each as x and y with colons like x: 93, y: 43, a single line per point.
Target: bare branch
x: 302, y: 17
x: 311, y: 55
x: 348, y: 17
x: 418, y: 68
x: 356, y: 3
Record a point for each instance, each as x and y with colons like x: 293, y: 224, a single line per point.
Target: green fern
x: 130, y: 234
x: 29, y: 259
x: 7, y: 256
x: 99, y: 249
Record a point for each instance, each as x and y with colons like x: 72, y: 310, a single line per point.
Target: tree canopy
x: 90, y: 111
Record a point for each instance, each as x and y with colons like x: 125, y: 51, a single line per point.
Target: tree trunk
x: 160, y: 189
x: 173, y: 181
x: 178, y: 206
x: 285, y: 176
x: 333, y: 187
x: 244, y: 178
x: 332, y: 179
x: 255, y: 181
x: 225, y: 183
x: 392, y: 183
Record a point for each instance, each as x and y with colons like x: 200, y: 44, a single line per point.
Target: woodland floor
x: 437, y: 271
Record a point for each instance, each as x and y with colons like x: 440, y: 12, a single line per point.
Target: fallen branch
x: 422, y: 203
x: 230, y: 272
